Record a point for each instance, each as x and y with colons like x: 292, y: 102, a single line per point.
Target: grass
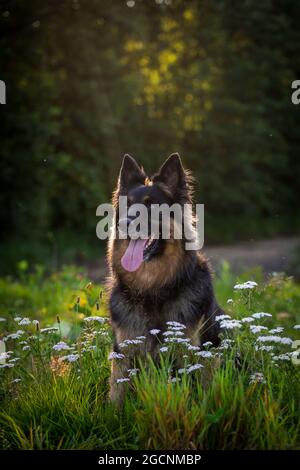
x: 58, y: 404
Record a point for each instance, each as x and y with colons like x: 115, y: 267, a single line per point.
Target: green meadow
x: 55, y: 344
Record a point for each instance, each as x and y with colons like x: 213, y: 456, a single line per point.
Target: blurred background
x: 90, y: 80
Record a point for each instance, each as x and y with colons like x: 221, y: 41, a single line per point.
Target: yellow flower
x: 83, y: 301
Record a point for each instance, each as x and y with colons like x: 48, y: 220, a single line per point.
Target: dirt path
x: 277, y: 254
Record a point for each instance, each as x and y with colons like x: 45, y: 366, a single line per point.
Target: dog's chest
x: 146, y: 319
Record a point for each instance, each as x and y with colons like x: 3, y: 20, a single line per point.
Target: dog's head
x: 170, y: 185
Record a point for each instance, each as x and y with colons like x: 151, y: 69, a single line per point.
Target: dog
x: 155, y: 281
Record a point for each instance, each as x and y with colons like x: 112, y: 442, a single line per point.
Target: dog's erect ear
x: 130, y: 173
x: 171, y: 173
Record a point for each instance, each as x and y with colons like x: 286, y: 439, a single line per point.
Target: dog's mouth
x: 138, y: 251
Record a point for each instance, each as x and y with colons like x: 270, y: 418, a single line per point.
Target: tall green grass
x: 57, y: 404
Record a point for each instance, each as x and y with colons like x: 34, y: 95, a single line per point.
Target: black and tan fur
x: 174, y: 284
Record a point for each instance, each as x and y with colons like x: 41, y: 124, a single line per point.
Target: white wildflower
x: 35, y: 322
x: 133, y: 372
x: 176, y: 328
x: 15, y: 381
x: 222, y: 317
x: 24, y: 321
x: 257, y: 328
x: 173, y: 380
x: 15, y: 359
x: 204, y: 354
x: 17, y: 319
x: 227, y: 341
x: 173, y: 333
x: 207, y: 343
x: 282, y: 357
x: 194, y: 367
x: 122, y: 379
x: 224, y: 346
x: 70, y: 358
x: 141, y: 337
x: 274, y: 339
x: 61, y: 346
x: 4, y: 356
x: 170, y: 339
x: 175, y: 323
x: 95, y: 318
x: 287, y: 341
x: 279, y: 329
x: 264, y: 348
x: 177, y: 340
x: 295, y: 355
x: 193, y: 348
x: 164, y: 349
x: 49, y: 330
x: 182, y: 371
x: 230, y: 324
x: 26, y: 348
x: 132, y: 341
x: 2, y: 319
x: 16, y: 335
x: 247, y: 320
x: 261, y: 315
x: 115, y: 355
x: 297, y: 327
x: 6, y: 366
x: 245, y: 285
x: 257, y: 377
x: 154, y: 331
x: 229, y: 301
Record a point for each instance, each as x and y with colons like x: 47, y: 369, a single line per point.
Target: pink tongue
x: 133, y: 256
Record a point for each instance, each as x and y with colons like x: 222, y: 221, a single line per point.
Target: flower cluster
x: 257, y: 377
x: 269, y: 345
x: 245, y: 285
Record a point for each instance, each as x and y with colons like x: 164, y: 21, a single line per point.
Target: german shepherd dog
x: 155, y: 281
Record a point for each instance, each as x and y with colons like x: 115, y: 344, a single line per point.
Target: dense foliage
x: 88, y: 80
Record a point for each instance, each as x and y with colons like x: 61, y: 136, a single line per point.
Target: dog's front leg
x: 117, y: 388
